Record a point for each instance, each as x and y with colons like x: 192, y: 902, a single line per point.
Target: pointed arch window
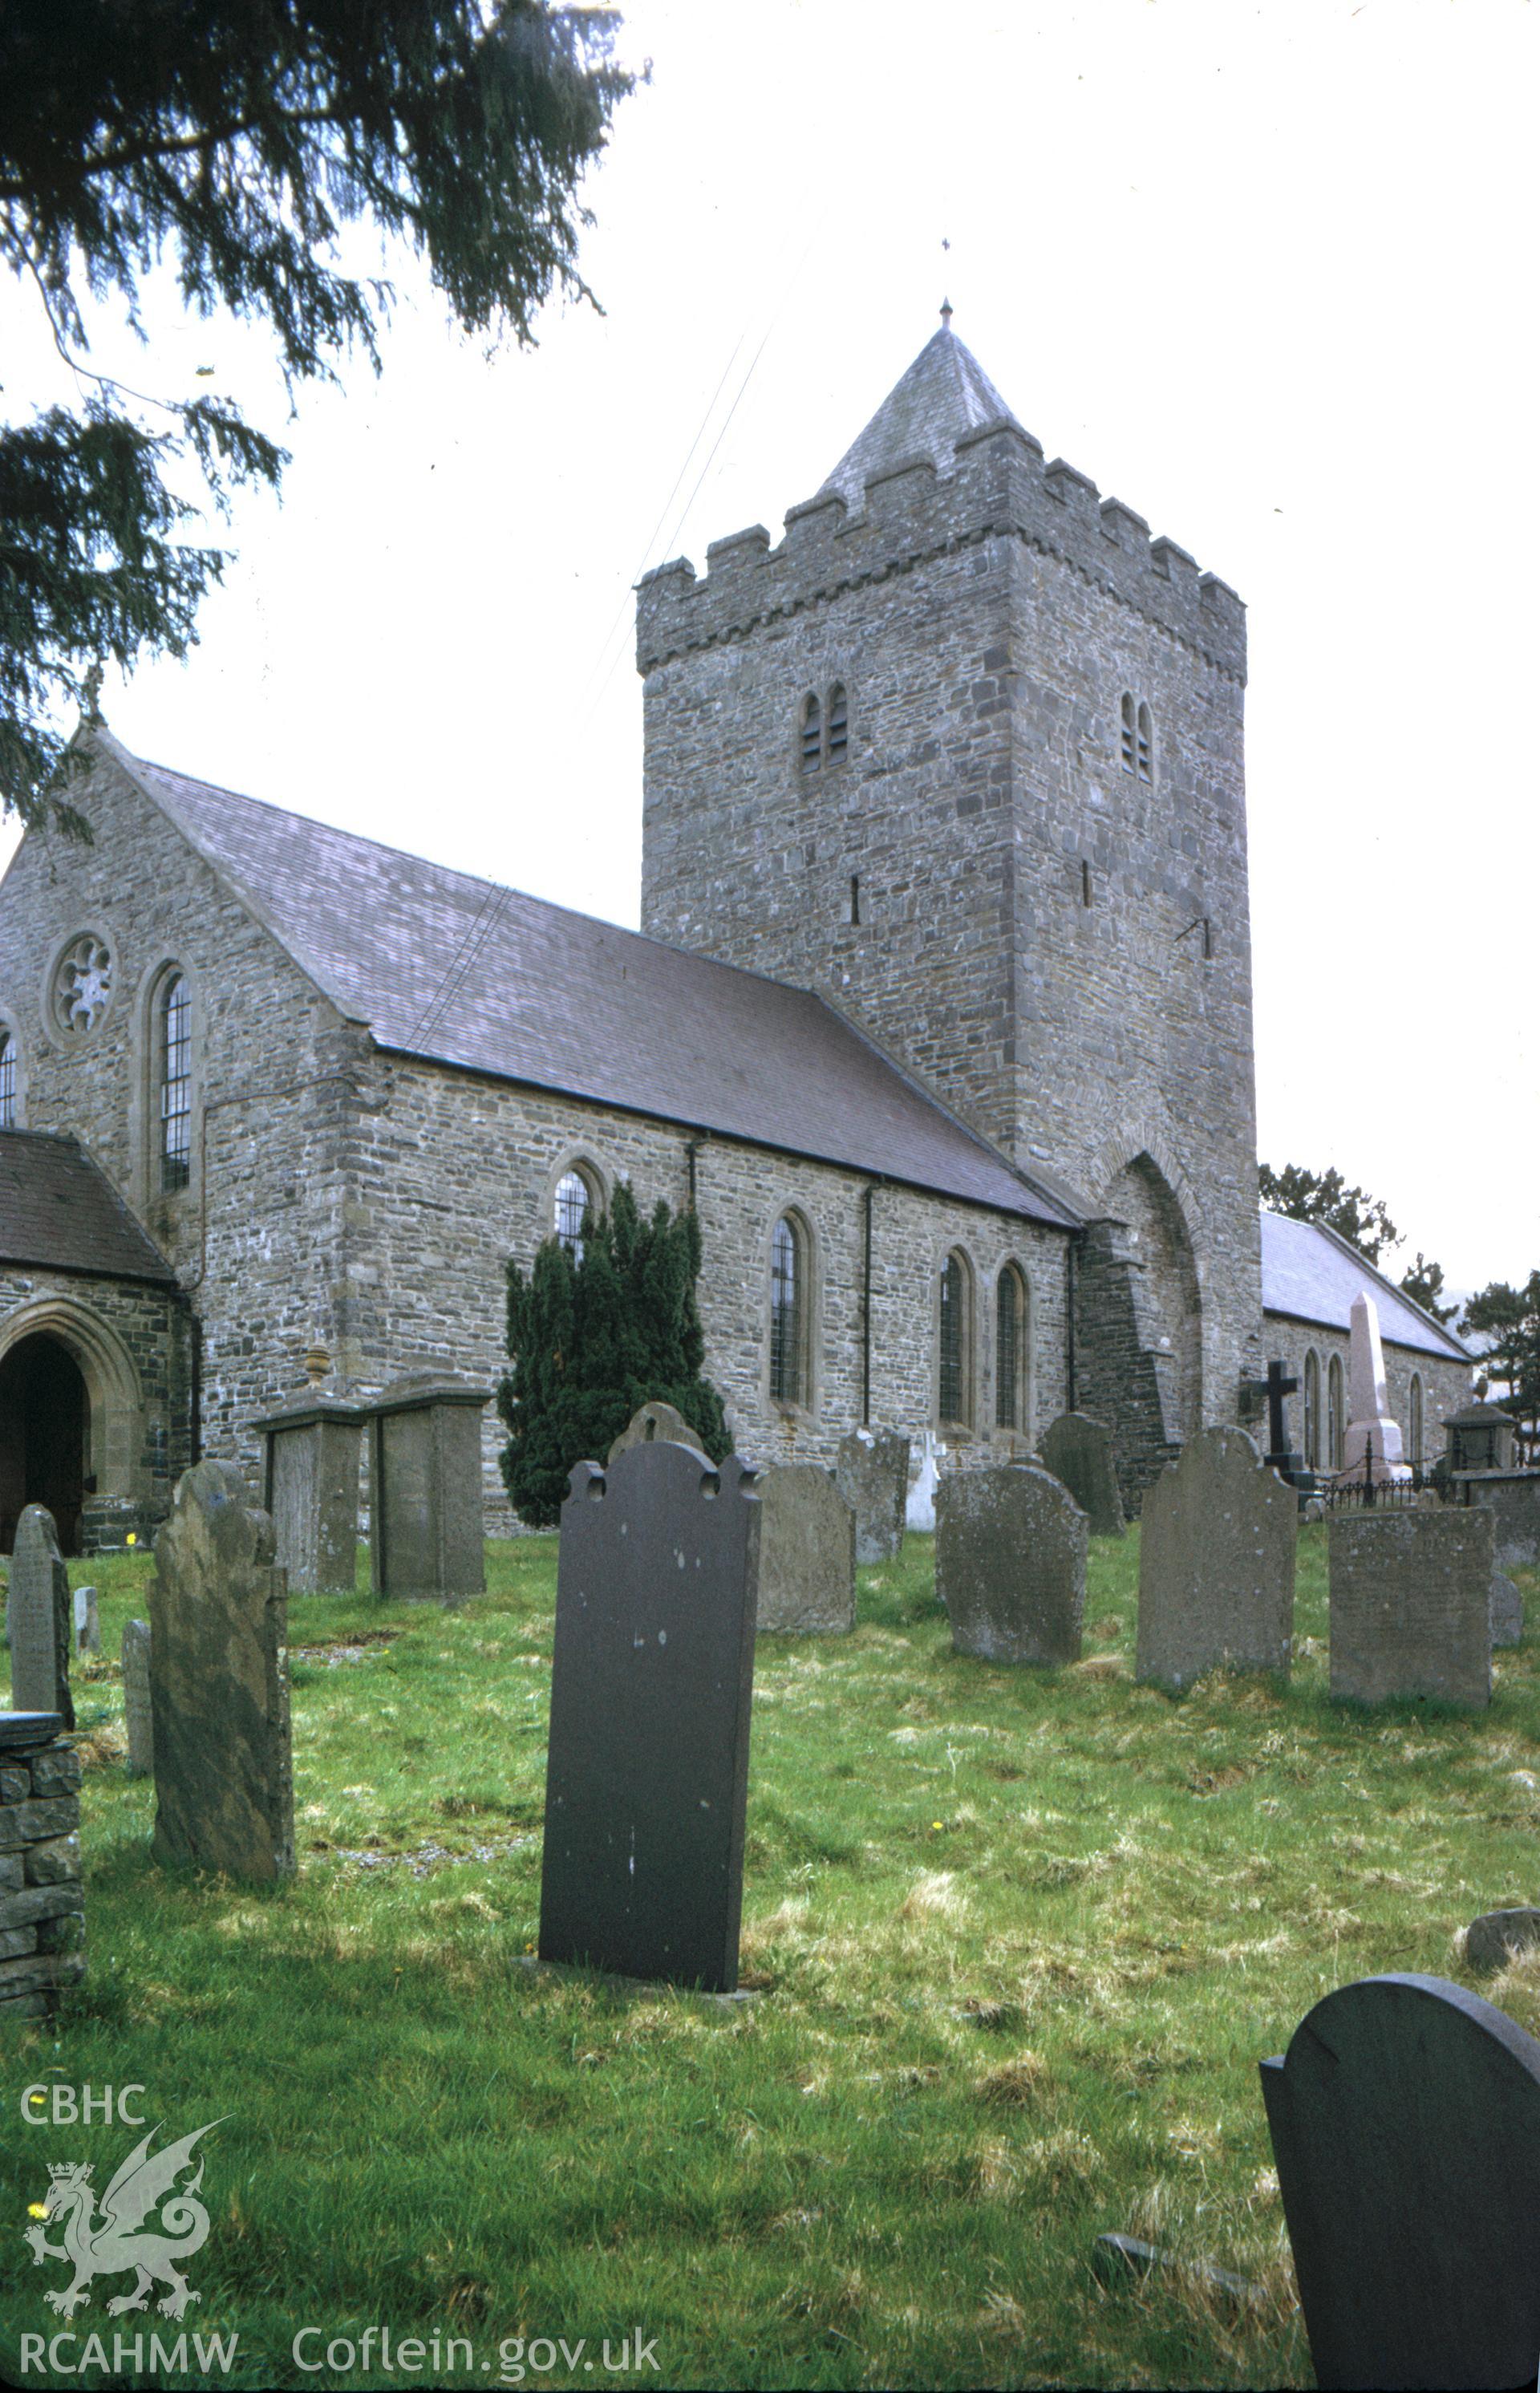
x: 1131, y: 731
x: 955, y: 1343
x: 1136, y: 744
x: 574, y: 1199
x: 1335, y: 1423
x: 173, y: 1076
x: 788, y: 1312
x: 811, y: 734
x: 1312, y: 1410
x: 1010, y: 1350
x: 1414, y: 1417
x: 839, y: 724
x: 7, y: 1081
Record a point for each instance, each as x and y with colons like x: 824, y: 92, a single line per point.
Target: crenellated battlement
x: 1000, y: 487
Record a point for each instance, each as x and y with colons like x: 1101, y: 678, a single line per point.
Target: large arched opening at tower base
x: 1165, y: 1286
x: 45, y: 1438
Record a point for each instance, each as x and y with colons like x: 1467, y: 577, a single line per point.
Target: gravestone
x: 1508, y: 1611
x: 1513, y: 1500
x: 87, y: 1621
x: 806, y: 1554
x: 872, y: 1473
x: 654, y: 1421
x: 1411, y: 1605
x: 652, y: 1675
x: 138, y: 1719
x: 219, y: 1684
x: 424, y: 1516
x: 1405, y: 2127
x: 920, y: 1503
x: 1216, y: 1563
x: 38, y: 1618
x: 312, y: 1452
x: 1011, y: 1563
x: 1371, y: 1442
x: 1080, y: 1452
x: 1493, y: 1939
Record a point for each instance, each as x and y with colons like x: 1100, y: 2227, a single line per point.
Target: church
x: 939, y: 1016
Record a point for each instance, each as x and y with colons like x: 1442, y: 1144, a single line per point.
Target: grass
x: 1018, y: 1941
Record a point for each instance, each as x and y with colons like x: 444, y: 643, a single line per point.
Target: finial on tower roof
x: 945, y: 315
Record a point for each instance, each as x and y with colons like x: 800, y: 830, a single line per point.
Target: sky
x: 1264, y: 272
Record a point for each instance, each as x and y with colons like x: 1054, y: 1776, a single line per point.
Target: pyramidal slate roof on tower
x: 465, y: 972
x: 943, y: 395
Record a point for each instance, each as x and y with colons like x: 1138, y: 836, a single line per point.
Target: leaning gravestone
x: 646, y: 1781
x: 1405, y: 2127
x: 872, y: 1473
x: 138, y: 1720
x: 38, y: 1619
x: 424, y: 1516
x: 312, y: 1449
x: 1216, y: 1563
x: 1080, y: 1451
x: 219, y: 1684
x: 1411, y: 1605
x: 1011, y: 1563
x: 806, y: 1554
x: 654, y: 1421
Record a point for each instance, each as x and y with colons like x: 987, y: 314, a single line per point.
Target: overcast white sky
x: 1265, y: 273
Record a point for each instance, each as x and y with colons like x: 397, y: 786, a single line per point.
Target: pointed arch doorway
x: 45, y: 1437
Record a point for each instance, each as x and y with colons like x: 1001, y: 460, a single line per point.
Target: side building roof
x: 1312, y: 1274
x: 463, y: 972
x: 58, y: 1211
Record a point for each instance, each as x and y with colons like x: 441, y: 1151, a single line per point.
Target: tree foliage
x: 593, y: 1339
x: 237, y: 138
x: 1423, y: 1282
x: 1508, y: 1319
x: 1326, y: 1196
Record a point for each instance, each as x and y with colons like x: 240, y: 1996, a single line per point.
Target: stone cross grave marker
x: 806, y: 1554
x: 1410, y: 1597
x: 651, y: 1421
x: 219, y: 1684
x: 1011, y: 1563
x: 872, y: 1473
x: 1405, y: 2125
x: 425, y: 1517
x: 1372, y: 1440
x: 313, y: 1447
x: 87, y: 1621
x: 139, y: 1718
x: 1216, y: 1563
x: 1081, y: 1452
x: 646, y: 1781
x: 38, y: 1618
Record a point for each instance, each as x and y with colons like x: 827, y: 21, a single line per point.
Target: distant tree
x: 593, y: 1339
x: 1508, y: 1319
x: 1326, y: 1196
x: 1424, y: 1284
x: 237, y: 137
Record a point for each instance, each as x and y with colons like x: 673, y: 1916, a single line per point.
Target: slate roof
x: 463, y: 972
x: 1312, y: 1274
x: 944, y: 393
x: 59, y: 1211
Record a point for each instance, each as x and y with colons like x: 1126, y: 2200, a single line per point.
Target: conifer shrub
x: 592, y: 1337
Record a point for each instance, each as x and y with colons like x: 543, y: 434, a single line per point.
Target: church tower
x: 964, y: 753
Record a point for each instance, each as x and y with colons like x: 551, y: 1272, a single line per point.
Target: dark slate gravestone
x: 219, y: 1684
x: 38, y: 1619
x: 1080, y: 1452
x: 648, y: 1777
x: 1011, y: 1563
x: 1405, y: 2125
x: 872, y: 1472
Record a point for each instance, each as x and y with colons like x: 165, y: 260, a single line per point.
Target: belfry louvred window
x: 838, y: 723
x: 1144, y: 744
x: 813, y: 736
x: 1130, y: 729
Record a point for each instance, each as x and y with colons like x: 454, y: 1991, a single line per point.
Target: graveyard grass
x: 1018, y: 1941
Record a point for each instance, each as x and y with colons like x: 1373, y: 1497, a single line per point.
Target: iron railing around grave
x: 1363, y: 1493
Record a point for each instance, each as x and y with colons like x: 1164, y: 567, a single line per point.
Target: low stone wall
x: 41, y: 1907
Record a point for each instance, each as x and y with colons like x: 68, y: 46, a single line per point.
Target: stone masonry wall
x: 456, y: 1175
x: 985, y: 627
x: 1445, y: 1384
x: 131, y: 1340
x: 42, y: 1909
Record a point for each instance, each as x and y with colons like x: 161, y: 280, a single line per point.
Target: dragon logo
x: 105, y: 2247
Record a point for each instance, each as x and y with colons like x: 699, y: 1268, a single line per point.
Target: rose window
x: 82, y: 985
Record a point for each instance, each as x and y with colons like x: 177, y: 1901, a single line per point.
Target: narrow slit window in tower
x: 856, y: 900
